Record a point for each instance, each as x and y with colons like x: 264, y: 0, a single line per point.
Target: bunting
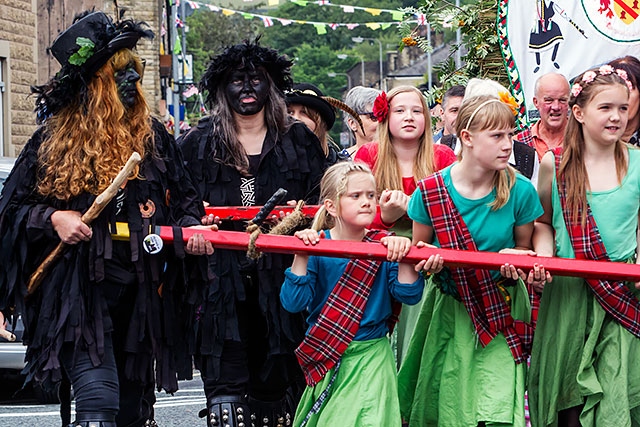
x: 347, y: 8
x: 321, y: 27
x: 191, y: 90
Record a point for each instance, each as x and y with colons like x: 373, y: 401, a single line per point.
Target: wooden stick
x: 452, y: 258
x: 92, y: 213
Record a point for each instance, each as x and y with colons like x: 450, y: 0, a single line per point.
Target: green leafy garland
x: 480, y: 43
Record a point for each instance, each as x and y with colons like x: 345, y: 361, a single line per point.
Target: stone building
x: 27, y: 29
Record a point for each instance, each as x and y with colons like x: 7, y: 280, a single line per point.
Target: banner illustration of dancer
x: 546, y: 34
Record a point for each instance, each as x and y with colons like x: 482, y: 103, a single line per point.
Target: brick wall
x: 17, y: 27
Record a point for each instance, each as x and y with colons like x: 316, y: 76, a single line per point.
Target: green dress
x: 364, y: 366
x: 448, y: 378
x: 580, y: 354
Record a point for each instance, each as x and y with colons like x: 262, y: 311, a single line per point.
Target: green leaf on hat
x: 85, y: 52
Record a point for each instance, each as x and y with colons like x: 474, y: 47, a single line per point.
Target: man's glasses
x: 370, y: 114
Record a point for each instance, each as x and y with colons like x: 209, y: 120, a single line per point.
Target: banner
x: 563, y: 36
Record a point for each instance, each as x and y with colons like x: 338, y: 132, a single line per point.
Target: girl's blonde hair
x: 487, y: 112
x: 387, y: 170
x: 76, y: 157
x: 572, y: 163
x: 332, y: 187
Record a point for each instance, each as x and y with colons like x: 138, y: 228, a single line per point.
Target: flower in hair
x: 623, y: 74
x: 381, y: 107
x: 576, y: 89
x: 506, y: 98
x: 606, y: 70
x: 589, y: 76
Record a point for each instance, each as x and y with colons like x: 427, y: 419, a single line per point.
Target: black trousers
x: 102, y: 392
x: 246, y: 368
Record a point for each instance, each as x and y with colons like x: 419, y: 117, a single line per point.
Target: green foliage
x: 313, y: 65
x: 287, y: 38
x: 477, y: 23
x: 314, y: 55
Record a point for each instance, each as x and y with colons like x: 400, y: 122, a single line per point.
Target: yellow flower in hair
x: 506, y: 98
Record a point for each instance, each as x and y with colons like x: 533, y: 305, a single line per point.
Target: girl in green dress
x: 465, y: 365
x: 584, y: 362
x: 346, y: 357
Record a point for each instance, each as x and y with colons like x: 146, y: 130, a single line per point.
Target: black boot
x: 272, y: 414
x: 227, y: 411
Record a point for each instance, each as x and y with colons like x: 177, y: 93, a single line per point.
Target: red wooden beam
x: 238, y: 213
x: 452, y: 258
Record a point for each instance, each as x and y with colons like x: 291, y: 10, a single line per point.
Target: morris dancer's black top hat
x: 81, y: 50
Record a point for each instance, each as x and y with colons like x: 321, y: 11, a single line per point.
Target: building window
x: 5, y: 103
x: 3, y: 112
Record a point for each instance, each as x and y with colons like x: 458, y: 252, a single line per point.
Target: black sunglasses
x: 370, y: 115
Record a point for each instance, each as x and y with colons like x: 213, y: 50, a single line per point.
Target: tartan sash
x: 614, y: 297
x: 479, y: 292
x: 339, y: 318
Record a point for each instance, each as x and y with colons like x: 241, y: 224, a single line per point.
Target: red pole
x: 452, y: 258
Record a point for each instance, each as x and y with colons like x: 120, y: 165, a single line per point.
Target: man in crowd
x: 450, y: 105
x: 551, y: 98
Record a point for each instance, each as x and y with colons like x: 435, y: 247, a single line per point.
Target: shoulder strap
x: 339, y: 318
x: 479, y: 293
x: 614, y: 297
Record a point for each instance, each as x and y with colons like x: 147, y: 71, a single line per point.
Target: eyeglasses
x: 370, y: 114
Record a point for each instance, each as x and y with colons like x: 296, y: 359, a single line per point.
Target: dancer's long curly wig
x: 87, y: 144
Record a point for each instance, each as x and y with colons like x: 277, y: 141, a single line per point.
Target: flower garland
x: 590, y: 76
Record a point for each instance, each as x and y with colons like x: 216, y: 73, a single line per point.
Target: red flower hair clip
x: 381, y: 107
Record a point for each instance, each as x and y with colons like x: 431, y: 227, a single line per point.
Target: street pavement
x: 179, y: 410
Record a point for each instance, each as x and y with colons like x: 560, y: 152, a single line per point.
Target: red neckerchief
x: 480, y: 295
x: 614, y: 297
x: 339, y: 318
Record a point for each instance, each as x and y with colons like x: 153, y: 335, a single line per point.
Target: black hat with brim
x: 310, y: 96
x: 81, y: 50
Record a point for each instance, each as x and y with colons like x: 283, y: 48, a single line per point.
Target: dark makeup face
x: 246, y: 90
x: 126, y: 80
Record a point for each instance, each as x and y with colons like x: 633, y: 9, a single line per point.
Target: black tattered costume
x: 70, y: 307
x: 105, y: 304
x: 238, y: 311
x: 244, y: 340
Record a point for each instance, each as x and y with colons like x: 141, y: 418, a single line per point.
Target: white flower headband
x: 591, y: 75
